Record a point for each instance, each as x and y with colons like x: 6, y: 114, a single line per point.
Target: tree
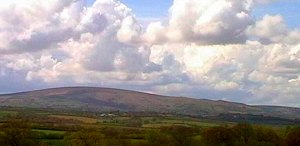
x: 156, y: 138
x: 111, y: 132
x: 244, y: 132
x: 135, y: 122
x: 293, y: 137
x: 85, y: 137
x: 181, y: 134
x: 267, y: 136
x: 219, y: 136
x: 16, y: 132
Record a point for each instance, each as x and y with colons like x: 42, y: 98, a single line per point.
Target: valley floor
x: 62, y: 128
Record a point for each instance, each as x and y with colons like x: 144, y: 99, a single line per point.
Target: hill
x: 106, y: 99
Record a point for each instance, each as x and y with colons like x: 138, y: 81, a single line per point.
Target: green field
x: 77, y: 118
x: 63, y: 128
x: 49, y: 131
x: 7, y: 113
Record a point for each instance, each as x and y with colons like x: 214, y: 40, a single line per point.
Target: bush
x: 156, y: 138
x: 111, y: 132
x: 243, y: 133
x: 85, y: 137
x: 293, y: 137
x: 217, y: 136
x: 16, y: 132
x: 180, y: 134
x: 135, y: 122
x: 267, y: 136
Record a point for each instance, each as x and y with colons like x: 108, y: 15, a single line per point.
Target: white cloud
x: 129, y: 31
x: 272, y: 29
x: 32, y: 25
x: 269, y: 34
x: 155, y: 33
x: 224, y: 85
x: 205, y: 22
x: 208, y: 49
x: 250, y: 72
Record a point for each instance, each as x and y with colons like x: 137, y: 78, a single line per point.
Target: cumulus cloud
x: 272, y: 29
x: 32, y: 25
x: 252, y: 72
x: 109, y: 40
x: 208, y: 49
x: 204, y: 22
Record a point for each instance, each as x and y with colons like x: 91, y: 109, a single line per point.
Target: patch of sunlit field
x: 4, y: 113
x: 85, y: 120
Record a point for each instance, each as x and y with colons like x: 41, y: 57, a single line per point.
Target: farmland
x: 120, y: 128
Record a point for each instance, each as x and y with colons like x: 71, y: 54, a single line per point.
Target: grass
x: 49, y: 131
x: 7, y: 113
x: 85, y: 120
x: 133, y: 135
x: 160, y: 122
x: 53, y: 142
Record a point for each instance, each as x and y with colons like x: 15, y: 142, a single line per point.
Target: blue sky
x: 146, y: 8
x: 290, y: 9
x: 149, y: 8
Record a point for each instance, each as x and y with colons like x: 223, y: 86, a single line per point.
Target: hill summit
x: 108, y: 99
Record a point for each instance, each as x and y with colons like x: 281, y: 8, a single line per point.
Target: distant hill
x: 105, y: 99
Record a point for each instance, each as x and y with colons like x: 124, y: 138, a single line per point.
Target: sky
x: 243, y: 51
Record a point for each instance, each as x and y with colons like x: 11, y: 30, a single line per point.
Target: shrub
x: 217, y: 136
x: 16, y: 132
x: 293, y: 137
x: 156, y: 138
x: 85, y: 137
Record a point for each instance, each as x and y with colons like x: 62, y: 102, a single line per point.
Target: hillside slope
x: 105, y: 99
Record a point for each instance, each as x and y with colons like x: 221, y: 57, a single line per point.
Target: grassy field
x: 49, y: 131
x: 85, y: 120
x: 7, y: 113
x: 58, y: 128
